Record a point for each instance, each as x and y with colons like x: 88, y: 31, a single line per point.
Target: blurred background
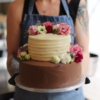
x: 91, y: 91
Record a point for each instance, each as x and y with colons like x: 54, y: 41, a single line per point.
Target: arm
x: 13, y: 35
x: 82, y: 37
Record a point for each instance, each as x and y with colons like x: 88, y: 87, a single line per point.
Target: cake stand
x: 73, y: 87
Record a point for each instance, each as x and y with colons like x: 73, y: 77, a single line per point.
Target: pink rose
x: 49, y: 26
x: 33, y: 30
x: 64, y: 29
x: 75, y: 49
x: 79, y: 57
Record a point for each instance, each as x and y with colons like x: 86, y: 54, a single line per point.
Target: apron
x: 31, y: 19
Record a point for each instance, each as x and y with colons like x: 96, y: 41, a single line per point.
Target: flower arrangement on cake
x: 74, y: 54
x: 48, y: 27
x: 22, y: 53
x: 49, y: 60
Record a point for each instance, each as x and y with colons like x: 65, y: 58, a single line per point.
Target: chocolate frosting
x: 47, y: 75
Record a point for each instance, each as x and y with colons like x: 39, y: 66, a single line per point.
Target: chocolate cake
x: 47, y: 75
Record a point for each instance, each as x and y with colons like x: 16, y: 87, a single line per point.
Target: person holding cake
x: 54, y: 55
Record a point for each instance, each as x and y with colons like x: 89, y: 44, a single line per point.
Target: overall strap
x: 31, y: 6
x: 65, y: 5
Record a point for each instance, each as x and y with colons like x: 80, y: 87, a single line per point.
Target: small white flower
x: 27, y: 57
x: 65, y: 58
x: 63, y: 61
x: 42, y: 29
x: 56, y: 26
x: 55, y: 59
x: 72, y: 59
x: 63, y: 55
x: 23, y: 53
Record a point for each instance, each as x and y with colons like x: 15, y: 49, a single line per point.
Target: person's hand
x: 12, y: 79
x: 87, y: 81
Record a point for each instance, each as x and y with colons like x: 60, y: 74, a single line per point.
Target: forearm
x: 85, y: 63
x: 82, y: 30
x: 12, y: 65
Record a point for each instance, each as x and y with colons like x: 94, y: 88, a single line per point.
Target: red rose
x: 49, y: 27
x: 79, y: 57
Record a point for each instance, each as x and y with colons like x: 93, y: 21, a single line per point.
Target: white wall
x: 94, y: 25
x: 6, y: 1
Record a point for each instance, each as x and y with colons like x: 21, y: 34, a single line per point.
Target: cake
x: 44, y: 47
x: 47, y: 75
x: 41, y: 72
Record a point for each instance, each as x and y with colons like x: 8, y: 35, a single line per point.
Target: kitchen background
x: 91, y: 91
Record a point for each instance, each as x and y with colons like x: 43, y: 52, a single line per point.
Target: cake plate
x: 75, y: 86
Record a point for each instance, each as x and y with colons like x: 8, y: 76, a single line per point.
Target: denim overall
x: 31, y: 19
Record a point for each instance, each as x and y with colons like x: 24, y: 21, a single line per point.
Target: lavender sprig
x: 58, y: 65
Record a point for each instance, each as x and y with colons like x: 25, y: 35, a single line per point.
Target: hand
x: 87, y: 81
x: 11, y: 80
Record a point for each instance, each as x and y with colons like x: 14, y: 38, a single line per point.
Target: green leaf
x: 54, y: 31
x: 37, y: 24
